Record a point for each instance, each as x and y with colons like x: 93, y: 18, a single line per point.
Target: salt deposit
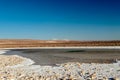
x: 23, y: 69
x: 9, y: 60
x: 66, y: 71
x: 3, y: 51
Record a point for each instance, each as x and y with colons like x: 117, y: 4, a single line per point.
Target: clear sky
x: 60, y: 19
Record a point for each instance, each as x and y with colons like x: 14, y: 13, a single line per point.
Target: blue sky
x: 60, y: 19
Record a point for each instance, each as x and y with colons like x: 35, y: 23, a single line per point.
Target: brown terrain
x: 20, y: 43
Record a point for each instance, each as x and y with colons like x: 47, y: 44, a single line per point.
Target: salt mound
x: 14, y: 61
x: 10, y: 60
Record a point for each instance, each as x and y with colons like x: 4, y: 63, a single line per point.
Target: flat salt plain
x: 69, y: 64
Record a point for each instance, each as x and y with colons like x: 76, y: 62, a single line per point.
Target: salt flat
x: 68, y: 65
x: 65, y: 71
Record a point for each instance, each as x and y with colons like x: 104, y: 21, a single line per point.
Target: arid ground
x: 20, y: 43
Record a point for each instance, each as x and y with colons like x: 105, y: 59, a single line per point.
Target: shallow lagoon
x: 58, y: 56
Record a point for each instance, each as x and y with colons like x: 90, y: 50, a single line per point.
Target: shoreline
x: 86, y: 47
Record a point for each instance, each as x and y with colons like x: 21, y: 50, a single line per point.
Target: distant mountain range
x: 19, y: 43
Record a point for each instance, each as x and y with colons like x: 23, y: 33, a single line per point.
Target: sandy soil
x: 53, y: 43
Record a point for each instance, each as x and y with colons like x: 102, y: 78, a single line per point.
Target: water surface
x: 58, y: 56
